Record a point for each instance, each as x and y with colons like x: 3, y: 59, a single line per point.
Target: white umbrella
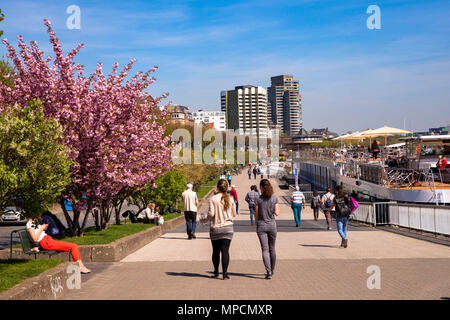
x: 386, y: 131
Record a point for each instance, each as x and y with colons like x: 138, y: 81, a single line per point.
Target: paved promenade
x: 310, y: 264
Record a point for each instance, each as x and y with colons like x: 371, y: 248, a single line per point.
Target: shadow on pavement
x: 183, y: 238
x: 317, y: 245
x: 201, y: 275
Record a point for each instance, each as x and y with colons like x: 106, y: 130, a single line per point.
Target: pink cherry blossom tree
x: 112, y: 127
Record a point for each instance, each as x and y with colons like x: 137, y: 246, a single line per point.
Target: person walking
x: 266, y: 210
x: 252, y: 198
x: 229, y: 177
x: 221, y: 214
x: 249, y: 173
x: 315, y: 204
x: 190, y: 200
x: 341, y: 203
x: 261, y: 172
x: 255, y: 171
x: 233, y: 193
x: 297, y: 203
x: 326, y: 205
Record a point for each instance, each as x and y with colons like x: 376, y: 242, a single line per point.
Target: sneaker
x: 345, y: 243
x: 190, y: 237
x: 193, y: 236
x: 268, y: 276
x: 330, y: 228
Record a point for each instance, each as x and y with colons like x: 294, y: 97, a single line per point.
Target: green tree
x: 2, y: 17
x: 6, y: 73
x: 168, y: 190
x: 33, y: 161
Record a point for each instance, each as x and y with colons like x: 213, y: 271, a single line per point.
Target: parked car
x: 11, y: 214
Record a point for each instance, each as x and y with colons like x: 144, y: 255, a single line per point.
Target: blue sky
x: 351, y: 77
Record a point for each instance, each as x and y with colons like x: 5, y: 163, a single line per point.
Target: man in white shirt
x: 190, y: 200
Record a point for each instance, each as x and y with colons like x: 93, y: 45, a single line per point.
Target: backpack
x: 328, y: 202
x: 342, y: 206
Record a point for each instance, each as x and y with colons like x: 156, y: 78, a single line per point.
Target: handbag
x: 353, y: 205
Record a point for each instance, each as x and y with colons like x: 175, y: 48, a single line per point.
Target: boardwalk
x: 310, y: 264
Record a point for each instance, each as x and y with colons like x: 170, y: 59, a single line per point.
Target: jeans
x: 221, y: 246
x: 297, y: 209
x: 267, y: 234
x: 342, y: 226
x: 316, y: 213
x: 237, y: 207
x: 191, y: 221
x: 251, y: 207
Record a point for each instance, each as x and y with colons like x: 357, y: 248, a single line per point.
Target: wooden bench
x: 28, y: 244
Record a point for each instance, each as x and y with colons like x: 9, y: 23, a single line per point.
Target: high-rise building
x: 285, y: 104
x: 216, y: 119
x: 245, y: 109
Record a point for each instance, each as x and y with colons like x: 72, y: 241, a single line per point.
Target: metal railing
x: 430, y: 218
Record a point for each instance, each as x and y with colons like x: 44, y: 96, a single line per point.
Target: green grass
x: 211, y: 183
x: 203, y: 191
x: 171, y: 216
x: 113, y: 233
x: 14, y: 271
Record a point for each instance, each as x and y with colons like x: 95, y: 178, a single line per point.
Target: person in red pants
x: 38, y: 235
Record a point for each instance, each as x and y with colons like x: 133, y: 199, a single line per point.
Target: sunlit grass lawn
x: 113, y: 233
x: 16, y: 270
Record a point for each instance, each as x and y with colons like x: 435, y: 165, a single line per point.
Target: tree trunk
x: 96, y: 215
x: 117, y: 209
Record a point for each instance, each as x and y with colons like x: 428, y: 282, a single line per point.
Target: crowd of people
x: 222, y: 211
x: 264, y: 208
x: 258, y: 170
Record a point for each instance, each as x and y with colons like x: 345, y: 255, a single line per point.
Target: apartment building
x: 245, y: 109
x: 285, y: 104
x: 213, y: 119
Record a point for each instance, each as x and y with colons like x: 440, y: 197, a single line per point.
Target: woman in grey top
x: 265, y: 211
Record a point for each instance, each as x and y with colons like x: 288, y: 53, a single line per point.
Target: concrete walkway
x: 310, y: 264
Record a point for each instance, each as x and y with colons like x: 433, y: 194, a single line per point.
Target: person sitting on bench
x: 38, y: 235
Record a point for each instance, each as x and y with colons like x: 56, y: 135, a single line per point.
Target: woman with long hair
x: 222, y: 211
x: 265, y: 211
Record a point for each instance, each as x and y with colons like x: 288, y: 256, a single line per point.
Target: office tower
x: 285, y: 104
x: 245, y: 109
